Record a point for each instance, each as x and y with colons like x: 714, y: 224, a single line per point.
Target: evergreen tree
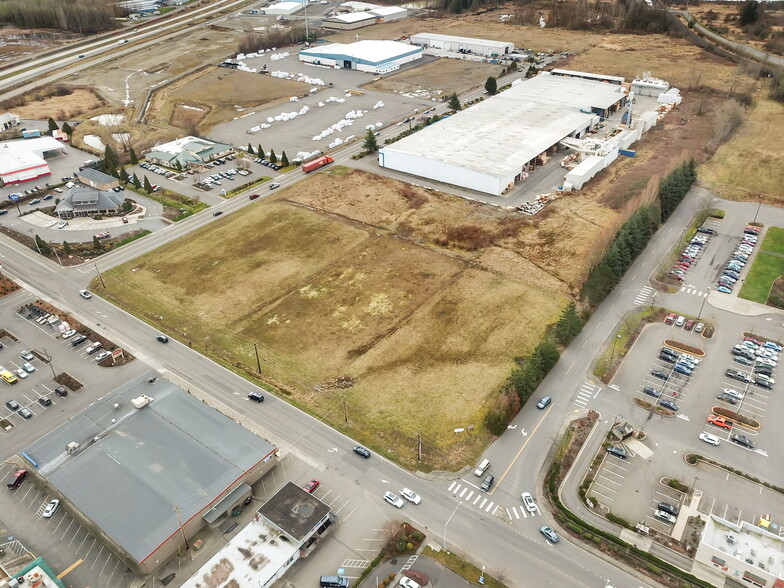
x: 124, y: 175
x: 67, y: 130
x: 531, y: 71
x: 569, y: 325
x: 147, y: 185
x: 273, y: 158
x: 66, y: 248
x: 454, y: 102
x: 134, y: 159
x: 284, y: 159
x: 135, y: 180
x: 127, y: 205
x: 370, y: 145
x: 491, y: 85
x: 260, y: 151
x: 97, y: 242
x: 749, y: 13
x: 52, y: 124
x: 455, y: 6
x: 109, y: 162
x: 250, y: 149
x: 178, y: 165
x: 42, y: 246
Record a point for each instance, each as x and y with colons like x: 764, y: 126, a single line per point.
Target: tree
x: 52, y: 124
x: 127, y: 205
x: 178, y: 165
x: 454, y: 102
x: 284, y: 159
x: 272, y: 157
x: 97, y: 242
x: 370, y: 145
x: 67, y: 130
x: 66, y: 248
x: 259, y: 150
x: 569, y: 325
x: 124, y: 176
x: 749, y: 13
x: 147, y: 185
x: 109, y: 162
x: 135, y: 180
x: 134, y: 159
x: 42, y: 246
x: 250, y: 149
x: 491, y: 85
x: 531, y: 71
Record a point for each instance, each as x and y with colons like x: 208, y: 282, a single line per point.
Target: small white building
x: 349, y: 21
x: 649, y: 87
x: 369, y: 56
x: 462, y: 44
x: 8, y: 120
x: 284, y: 8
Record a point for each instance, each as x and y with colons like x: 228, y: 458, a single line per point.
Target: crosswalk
x: 518, y: 512
x: 644, y: 296
x: 473, y: 496
x: 586, y: 392
x: 694, y: 291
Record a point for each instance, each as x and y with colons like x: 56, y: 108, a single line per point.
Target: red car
x: 253, y: 196
x: 311, y: 486
x: 669, y: 319
x: 720, y: 421
x: 689, y: 325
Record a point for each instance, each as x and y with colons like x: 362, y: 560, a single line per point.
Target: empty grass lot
x: 767, y: 268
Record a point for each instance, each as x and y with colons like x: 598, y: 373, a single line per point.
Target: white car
x: 62, y: 224
x: 680, y: 321
x: 86, y: 294
x: 21, y: 373
x: 410, y: 495
x: 528, y: 501
x: 393, y: 499
x: 102, y: 355
x: 709, y: 439
x: 28, y: 367
x: 664, y: 516
x: 69, y: 333
x: 734, y: 393
x: 406, y: 582
x: 51, y: 224
x: 51, y: 508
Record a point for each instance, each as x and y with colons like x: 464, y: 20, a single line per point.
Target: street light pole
x: 703, y: 302
x: 447, y: 522
x: 693, y: 484
x: 758, y: 209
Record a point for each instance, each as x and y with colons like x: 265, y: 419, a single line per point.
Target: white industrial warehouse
x: 459, y: 44
x: 368, y: 56
x: 362, y: 14
x: 498, y: 142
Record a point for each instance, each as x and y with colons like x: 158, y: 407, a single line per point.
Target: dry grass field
x: 61, y: 107
x: 752, y: 162
x: 333, y: 291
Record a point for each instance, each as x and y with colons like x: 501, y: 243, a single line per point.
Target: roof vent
x: 141, y: 401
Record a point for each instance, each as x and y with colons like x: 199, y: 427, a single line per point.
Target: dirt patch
x: 7, y: 285
x: 68, y: 381
x: 437, y: 78
x: 214, y: 95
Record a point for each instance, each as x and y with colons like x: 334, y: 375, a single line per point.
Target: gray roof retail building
x: 87, y: 201
x: 493, y: 144
x: 142, y: 459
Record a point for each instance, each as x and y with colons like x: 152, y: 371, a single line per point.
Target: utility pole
x: 100, y: 277
x: 49, y: 359
x: 258, y: 363
x: 56, y: 255
x: 419, y: 446
x: 307, y: 35
x: 345, y: 410
x: 182, y: 530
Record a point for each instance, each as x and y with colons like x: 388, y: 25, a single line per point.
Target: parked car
x: 689, y: 325
x: 50, y: 509
x: 739, y: 376
x: 12, y: 405
x: 311, y: 486
x: 20, y: 373
x: 651, y: 392
x: 669, y: 404
x: 61, y: 391
x: 720, y: 421
x: 660, y: 374
x: 26, y: 355
x: 44, y: 401
x: 664, y: 516
x: 25, y: 413
x: 669, y: 319
x: 617, y: 451
x: 669, y: 508
x: 680, y: 321
x: 709, y: 439
x: 743, y: 441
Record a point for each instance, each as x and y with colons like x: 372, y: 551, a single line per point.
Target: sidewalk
x: 437, y: 573
x: 740, y: 306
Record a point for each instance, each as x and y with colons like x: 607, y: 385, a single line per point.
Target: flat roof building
x: 451, y: 43
x: 23, y: 160
x: 568, y: 73
x: 284, y: 8
x: 368, y: 56
x: 491, y: 145
x: 287, y: 527
x: 742, y: 552
x: 363, y: 15
x: 146, y: 465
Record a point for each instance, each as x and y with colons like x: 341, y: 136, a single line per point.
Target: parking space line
x: 66, y: 530
x: 595, y: 483
x: 98, y: 556
x: 609, y: 471
x: 602, y: 495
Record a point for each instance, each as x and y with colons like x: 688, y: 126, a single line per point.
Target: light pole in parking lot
x: 703, y: 302
x: 758, y: 208
x: 693, y: 484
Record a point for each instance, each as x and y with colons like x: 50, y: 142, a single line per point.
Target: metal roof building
x: 145, y: 465
x: 369, y: 56
x: 452, y: 43
x: 23, y: 160
x: 490, y: 146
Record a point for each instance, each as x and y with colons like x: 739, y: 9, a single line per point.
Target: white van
x: 482, y: 468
